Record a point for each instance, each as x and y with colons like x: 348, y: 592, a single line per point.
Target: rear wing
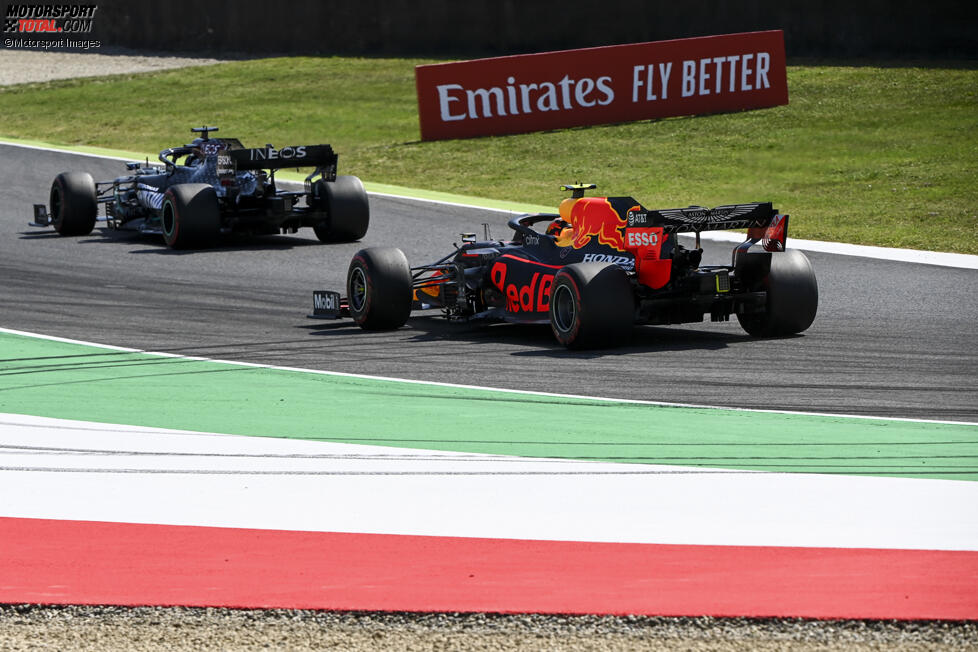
x: 695, y: 218
x: 298, y: 156
x: 763, y: 223
x: 646, y: 230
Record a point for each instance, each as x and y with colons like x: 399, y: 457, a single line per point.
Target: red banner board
x: 617, y: 83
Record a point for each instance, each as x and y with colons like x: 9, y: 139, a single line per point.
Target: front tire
x: 73, y: 203
x: 792, y: 297
x: 191, y: 216
x: 347, y: 208
x: 378, y: 286
x: 592, y: 305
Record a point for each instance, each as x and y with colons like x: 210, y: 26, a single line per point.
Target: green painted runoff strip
x: 78, y: 381
x: 370, y: 186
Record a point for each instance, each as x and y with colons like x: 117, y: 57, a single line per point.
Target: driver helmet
x: 562, y: 227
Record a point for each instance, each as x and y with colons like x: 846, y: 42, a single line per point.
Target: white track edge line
x: 525, y: 392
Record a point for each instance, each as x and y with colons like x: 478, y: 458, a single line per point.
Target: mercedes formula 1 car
x: 213, y: 186
x: 600, y: 266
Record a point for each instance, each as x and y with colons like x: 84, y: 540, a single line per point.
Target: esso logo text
x: 642, y: 238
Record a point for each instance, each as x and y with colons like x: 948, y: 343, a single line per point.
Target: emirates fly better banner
x: 618, y: 83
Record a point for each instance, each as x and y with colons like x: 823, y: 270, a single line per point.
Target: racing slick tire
x: 347, y: 208
x: 792, y: 297
x: 378, y: 287
x: 191, y: 217
x: 74, y: 205
x: 592, y: 305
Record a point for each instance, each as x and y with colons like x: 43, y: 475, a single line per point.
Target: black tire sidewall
x: 604, y: 305
x: 792, y: 292
x: 347, y: 208
x: 387, y: 280
x: 171, y: 237
x: 565, y: 282
x: 792, y: 296
x: 360, y: 315
x: 76, y: 209
x: 195, y: 215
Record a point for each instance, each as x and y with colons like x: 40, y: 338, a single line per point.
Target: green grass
x: 864, y: 154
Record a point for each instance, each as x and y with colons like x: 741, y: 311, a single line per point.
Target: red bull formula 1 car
x: 600, y: 266
x: 210, y: 187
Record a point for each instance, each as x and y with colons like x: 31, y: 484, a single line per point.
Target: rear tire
x: 74, y: 205
x: 792, y: 297
x: 378, y: 285
x: 592, y: 305
x: 347, y: 209
x: 191, y: 217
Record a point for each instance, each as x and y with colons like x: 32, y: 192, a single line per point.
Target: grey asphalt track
x: 890, y: 339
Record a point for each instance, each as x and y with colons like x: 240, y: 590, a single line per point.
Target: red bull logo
x: 523, y: 296
x: 594, y: 217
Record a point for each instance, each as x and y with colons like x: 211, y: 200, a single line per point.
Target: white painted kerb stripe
x: 73, y: 470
